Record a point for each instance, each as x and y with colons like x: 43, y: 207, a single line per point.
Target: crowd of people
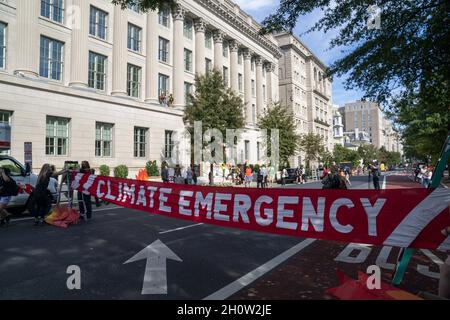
x: 423, y: 174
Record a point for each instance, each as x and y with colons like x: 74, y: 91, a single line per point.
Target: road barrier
x: 394, y: 217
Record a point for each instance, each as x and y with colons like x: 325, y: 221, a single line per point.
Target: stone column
x: 218, y: 50
x: 270, y: 67
x: 178, y: 60
x: 151, y: 72
x: 200, y: 28
x: 259, y: 86
x: 234, y: 48
x: 248, y: 85
x: 27, y: 54
x: 120, y: 34
x: 79, y: 53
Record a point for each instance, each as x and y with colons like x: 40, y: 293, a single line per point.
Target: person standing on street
x: 165, y: 174
x: 84, y: 200
x: 248, y: 176
x: 376, y: 177
x: 41, y: 201
x: 264, y: 176
x: 284, y: 175
x: 8, y: 188
x: 189, y: 175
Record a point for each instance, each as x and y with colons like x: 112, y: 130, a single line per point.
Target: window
x: 168, y: 144
x: 258, y: 148
x: 187, y: 92
x: 51, y: 62
x: 225, y: 49
x: 140, y: 142
x: 103, y: 139
x: 264, y: 92
x: 253, y: 88
x: 5, y: 116
x: 98, y: 23
x: 225, y: 76
x: 13, y: 166
x: 163, y: 84
x: 208, y: 65
x: 187, y: 29
x: 164, y: 17
x: 208, y: 40
x: 134, y: 37
x: 57, y: 136
x: 239, y: 57
x: 97, y: 71
x: 187, y: 60
x: 2, y: 45
x: 133, y: 81
x: 252, y: 63
x: 163, y: 54
x: 53, y: 10
x: 253, y: 113
x: 247, y: 149
x: 240, y: 82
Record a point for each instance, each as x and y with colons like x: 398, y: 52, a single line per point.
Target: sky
x: 318, y: 42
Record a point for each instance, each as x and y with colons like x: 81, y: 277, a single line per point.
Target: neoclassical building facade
x: 305, y: 90
x: 86, y: 80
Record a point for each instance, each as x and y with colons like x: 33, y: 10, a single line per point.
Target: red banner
x: 394, y: 217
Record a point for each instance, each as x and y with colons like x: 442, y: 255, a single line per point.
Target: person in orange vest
x: 248, y: 176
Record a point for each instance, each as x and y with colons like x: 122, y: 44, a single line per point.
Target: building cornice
x: 227, y: 14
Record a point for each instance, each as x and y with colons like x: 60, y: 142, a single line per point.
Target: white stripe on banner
x: 419, y: 217
x: 445, y: 245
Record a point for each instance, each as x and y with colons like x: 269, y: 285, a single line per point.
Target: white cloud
x: 251, y: 5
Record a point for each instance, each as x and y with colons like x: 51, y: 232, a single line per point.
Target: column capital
x: 259, y: 61
x: 218, y: 36
x: 199, y: 25
x: 178, y: 13
x: 270, y: 67
x: 234, y: 45
x: 247, y: 54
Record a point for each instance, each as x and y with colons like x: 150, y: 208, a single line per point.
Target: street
x: 216, y: 262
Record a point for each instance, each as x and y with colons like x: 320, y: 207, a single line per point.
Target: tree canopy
x: 312, y: 145
x: 403, y: 64
x: 279, y: 117
x: 146, y: 5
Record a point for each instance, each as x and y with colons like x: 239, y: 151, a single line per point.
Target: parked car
x: 21, y: 175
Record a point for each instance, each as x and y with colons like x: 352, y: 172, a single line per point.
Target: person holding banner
x: 84, y: 200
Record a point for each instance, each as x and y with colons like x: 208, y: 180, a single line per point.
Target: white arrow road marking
x: 418, y: 218
x: 155, y: 277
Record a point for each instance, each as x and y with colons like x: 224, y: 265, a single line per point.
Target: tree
x: 367, y: 152
x: 216, y: 105
x: 342, y: 154
x: 146, y: 5
x: 403, y: 64
x: 312, y: 145
x: 279, y: 117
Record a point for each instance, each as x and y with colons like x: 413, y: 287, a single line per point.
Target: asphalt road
x: 216, y: 262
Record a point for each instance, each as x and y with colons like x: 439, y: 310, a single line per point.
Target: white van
x: 21, y: 175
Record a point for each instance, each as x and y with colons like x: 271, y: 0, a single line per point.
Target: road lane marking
x: 247, y: 279
x: 181, y: 228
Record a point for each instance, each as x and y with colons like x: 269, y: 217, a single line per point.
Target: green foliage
x: 342, y: 154
x: 367, y: 152
x: 279, y: 117
x: 388, y: 157
x: 145, y: 5
x: 104, y: 170
x: 404, y: 64
x: 152, y: 168
x: 216, y: 105
x: 121, y: 171
x: 312, y: 145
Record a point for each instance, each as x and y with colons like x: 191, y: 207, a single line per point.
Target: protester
x: 189, y: 175
x: 248, y: 177
x: 259, y: 179
x: 264, y: 176
x: 284, y: 175
x: 375, y: 176
x: 426, y: 177
x: 8, y: 188
x: 84, y: 200
x: 165, y: 174
x: 271, y: 174
x: 40, y: 199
